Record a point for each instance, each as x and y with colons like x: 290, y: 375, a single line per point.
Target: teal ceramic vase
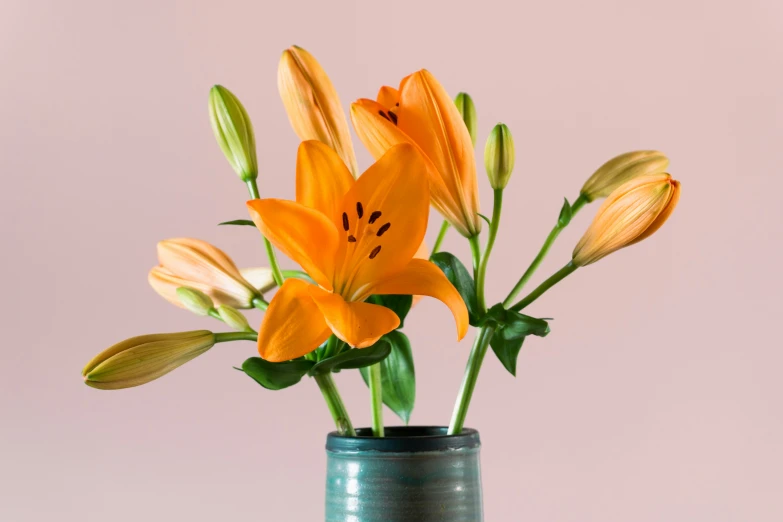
x: 413, y: 474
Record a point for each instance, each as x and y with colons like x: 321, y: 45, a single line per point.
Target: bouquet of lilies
x: 359, y: 240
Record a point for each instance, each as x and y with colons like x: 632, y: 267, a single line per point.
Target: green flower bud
x: 142, y: 359
x: 233, y: 318
x: 467, y: 110
x: 622, y: 168
x: 499, y: 156
x: 195, y: 300
x: 233, y: 131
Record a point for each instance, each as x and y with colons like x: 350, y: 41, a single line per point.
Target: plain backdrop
x: 657, y: 396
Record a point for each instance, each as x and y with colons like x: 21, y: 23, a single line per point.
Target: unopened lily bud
x: 467, y: 109
x: 312, y: 104
x: 142, y: 359
x: 233, y: 318
x: 499, y: 156
x: 195, y: 300
x: 260, y: 277
x: 201, y: 266
x: 631, y: 213
x: 621, y: 169
x: 233, y: 131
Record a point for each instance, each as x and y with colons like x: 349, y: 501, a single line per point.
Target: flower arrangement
x: 359, y: 240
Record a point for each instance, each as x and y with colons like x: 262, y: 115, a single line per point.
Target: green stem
x: 252, y: 187
x: 475, y: 251
x: 477, y: 354
x: 441, y: 235
x: 335, y: 403
x: 260, y: 303
x: 578, y: 204
x: 331, y: 346
x: 376, y: 400
x: 235, y: 336
x: 546, y: 285
x: 297, y: 274
x: 493, y: 232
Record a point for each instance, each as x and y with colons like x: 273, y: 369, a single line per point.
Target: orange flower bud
x: 197, y: 264
x: 631, y: 213
x: 623, y: 168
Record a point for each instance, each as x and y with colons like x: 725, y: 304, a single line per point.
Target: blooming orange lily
x: 423, y: 114
x: 354, y: 238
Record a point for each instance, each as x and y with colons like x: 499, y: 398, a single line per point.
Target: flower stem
x: 235, y: 336
x: 297, y: 274
x: 475, y: 251
x: 493, y: 232
x: 578, y: 204
x: 252, y: 187
x: 376, y: 398
x: 477, y: 354
x: 441, y: 235
x: 558, y: 276
x: 335, y: 403
x: 214, y: 313
x: 260, y: 303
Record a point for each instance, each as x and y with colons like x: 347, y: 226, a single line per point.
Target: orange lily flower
x: 354, y: 238
x: 423, y: 114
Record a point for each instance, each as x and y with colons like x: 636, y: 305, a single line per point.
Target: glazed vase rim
x: 404, y: 439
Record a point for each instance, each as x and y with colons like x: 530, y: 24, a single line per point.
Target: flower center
x: 363, y: 243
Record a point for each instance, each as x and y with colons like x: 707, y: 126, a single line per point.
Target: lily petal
x: 384, y: 219
x: 429, y: 116
x: 322, y: 179
x: 303, y: 234
x: 421, y: 277
x: 358, y: 324
x: 379, y: 134
x: 293, y: 325
x: 312, y: 103
x: 389, y: 97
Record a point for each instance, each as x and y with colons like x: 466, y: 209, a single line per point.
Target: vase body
x: 414, y: 474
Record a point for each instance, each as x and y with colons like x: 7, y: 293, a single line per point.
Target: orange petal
x: 293, y: 325
x: 429, y: 117
x: 358, y: 324
x: 322, y: 179
x: 384, y: 219
x: 379, y: 134
x: 303, y: 234
x: 312, y: 103
x: 422, y: 277
x: 389, y: 97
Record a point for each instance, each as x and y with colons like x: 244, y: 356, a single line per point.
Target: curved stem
x: 441, y: 235
x: 260, y: 303
x: 546, y: 285
x: 376, y: 400
x: 335, y: 403
x: 475, y: 251
x: 493, y: 232
x: 252, y: 187
x: 477, y: 354
x: 297, y: 274
x: 225, y: 337
x: 578, y: 204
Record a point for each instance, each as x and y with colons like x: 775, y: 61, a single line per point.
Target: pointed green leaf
x: 243, y: 222
x: 565, y: 214
x: 398, y: 378
x: 460, y: 277
x: 276, y: 376
x: 512, y: 328
x: 354, y: 358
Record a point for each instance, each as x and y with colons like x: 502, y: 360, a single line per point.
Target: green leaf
x: 485, y: 218
x: 511, y: 330
x: 398, y: 378
x: 460, y: 277
x: 354, y: 358
x: 276, y: 376
x: 243, y: 222
x: 565, y: 214
x: 399, y: 304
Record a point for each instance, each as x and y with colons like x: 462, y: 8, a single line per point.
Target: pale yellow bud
x: 233, y: 318
x: 260, y: 277
x: 499, y: 156
x: 142, y: 359
x: 195, y: 300
x: 631, y: 213
x: 233, y: 132
x: 621, y: 169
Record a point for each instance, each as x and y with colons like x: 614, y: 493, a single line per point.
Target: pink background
x: 657, y: 397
